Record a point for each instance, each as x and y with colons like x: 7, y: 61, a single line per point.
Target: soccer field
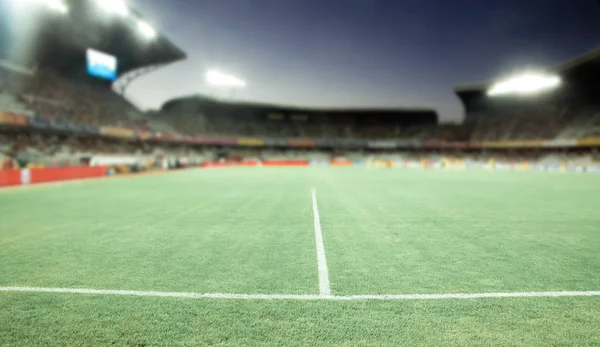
x: 303, y: 257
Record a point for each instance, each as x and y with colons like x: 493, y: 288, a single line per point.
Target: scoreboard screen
x: 101, y: 65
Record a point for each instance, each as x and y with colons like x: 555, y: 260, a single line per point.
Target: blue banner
x: 39, y: 123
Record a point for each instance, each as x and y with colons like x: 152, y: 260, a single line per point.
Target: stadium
x: 213, y: 221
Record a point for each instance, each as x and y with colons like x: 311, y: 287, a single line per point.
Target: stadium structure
x: 565, y: 114
x: 47, y: 88
x: 484, y: 233
x: 276, y: 124
x: 49, y: 38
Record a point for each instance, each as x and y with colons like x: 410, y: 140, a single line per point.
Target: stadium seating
x: 559, y: 123
x: 200, y: 123
x: 45, y: 94
x: 56, y: 98
x: 58, y: 150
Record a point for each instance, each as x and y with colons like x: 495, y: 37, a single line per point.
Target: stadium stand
x: 10, y: 82
x: 197, y: 115
x: 55, y: 98
x: 51, y: 80
x: 569, y: 112
x: 53, y: 114
x: 52, y: 150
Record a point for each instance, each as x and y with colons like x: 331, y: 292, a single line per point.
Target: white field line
x: 324, y: 288
x: 299, y: 296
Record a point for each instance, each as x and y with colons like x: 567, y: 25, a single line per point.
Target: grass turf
x: 251, y: 231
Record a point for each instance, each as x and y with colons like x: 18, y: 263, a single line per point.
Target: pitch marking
x: 299, y: 296
x: 324, y: 288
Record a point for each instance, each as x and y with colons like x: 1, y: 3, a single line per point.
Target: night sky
x: 361, y: 52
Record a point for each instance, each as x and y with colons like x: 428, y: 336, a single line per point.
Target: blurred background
x: 168, y: 84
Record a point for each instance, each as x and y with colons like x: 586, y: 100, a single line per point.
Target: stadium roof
x: 582, y: 71
x: 198, y: 102
x: 61, y: 40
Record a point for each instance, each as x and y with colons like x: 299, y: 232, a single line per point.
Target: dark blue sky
x: 362, y: 52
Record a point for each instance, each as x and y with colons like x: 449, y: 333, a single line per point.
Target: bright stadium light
x: 217, y: 78
x: 118, y: 7
x: 146, y: 29
x: 57, y: 5
x: 526, y: 84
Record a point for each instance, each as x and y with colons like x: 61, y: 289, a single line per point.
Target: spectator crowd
x: 53, y: 97
x: 19, y: 149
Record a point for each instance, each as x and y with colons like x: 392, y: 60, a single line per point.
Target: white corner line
x: 324, y: 288
x: 304, y: 297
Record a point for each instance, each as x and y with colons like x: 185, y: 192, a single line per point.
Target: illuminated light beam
x: 118, y: 7
x: 57, y: 5
x: 54, y: 5
x: 146, y: 29
x: 217, y: 78
x: 526, y: 84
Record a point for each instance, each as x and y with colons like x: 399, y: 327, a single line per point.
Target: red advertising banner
x: 10, y: 177
x: 66, y: 173
x: 283, y: 163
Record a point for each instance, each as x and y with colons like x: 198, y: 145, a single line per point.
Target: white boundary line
x: 324, y: 288
x: 299, y: 296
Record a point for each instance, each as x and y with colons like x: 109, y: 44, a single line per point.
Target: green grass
x: 251, y: 231
x: 444, y: 232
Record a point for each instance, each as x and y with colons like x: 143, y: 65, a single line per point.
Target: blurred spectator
x: 56, y: 98
x: 65, y: 150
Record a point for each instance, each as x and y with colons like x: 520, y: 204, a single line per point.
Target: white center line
x: 232, y: 296
x: 324, y: 288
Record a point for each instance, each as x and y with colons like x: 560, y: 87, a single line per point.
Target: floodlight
x: 118, y: 7
x: 56, y: 5
x: 526, y: 84
x: 146, y: 29
x: 217, y: 78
